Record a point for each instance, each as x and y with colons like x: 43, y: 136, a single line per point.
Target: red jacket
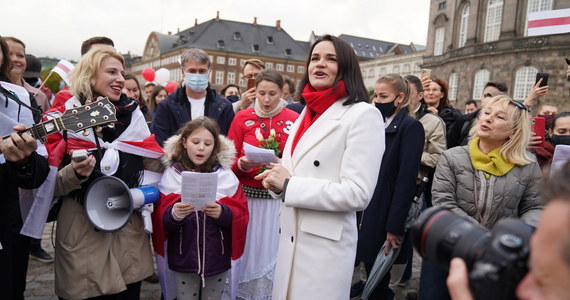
x: 243, y: 130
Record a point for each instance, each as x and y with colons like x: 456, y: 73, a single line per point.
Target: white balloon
x: 162, y: 76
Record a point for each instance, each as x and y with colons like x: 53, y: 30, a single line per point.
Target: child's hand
x: 181, y: 210
x: 213, y: 210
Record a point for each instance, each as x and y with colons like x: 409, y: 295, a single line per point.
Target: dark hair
x: 271, y: 76
x: 152, y: 100
x: 223, y: 91
x: 289, y: 82
x: 556, y: 188
x: 471, y: 102
x: 415, y: 81
x: 499, y: 85
x: 7, y: 63
x: 348, y: 71
x: 129, y: 76
x: 444, y: 101
x: 86, y: 45
x: 15, y: 40
x: 556, y: 117
x: 181, y: 156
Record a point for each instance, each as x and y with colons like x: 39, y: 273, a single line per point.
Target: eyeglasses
x: 519, y: 105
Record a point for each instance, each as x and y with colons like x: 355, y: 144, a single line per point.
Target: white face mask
x: 196, y: 82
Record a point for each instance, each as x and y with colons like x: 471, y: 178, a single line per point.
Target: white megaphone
x: 109, y: 203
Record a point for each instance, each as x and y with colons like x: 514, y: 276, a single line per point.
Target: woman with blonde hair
x: 90, y: 262
x: 492, y: 178
x: 383, y: 220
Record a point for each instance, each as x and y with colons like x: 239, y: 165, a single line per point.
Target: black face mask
x: 387, y: 109
x: 560, y: 139
x: 233, y: 98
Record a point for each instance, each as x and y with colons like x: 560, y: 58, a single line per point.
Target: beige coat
x: 91, y: 263
x: 335, y: 167
x: 434, y: 142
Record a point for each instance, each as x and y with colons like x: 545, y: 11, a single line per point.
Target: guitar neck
x: 40, y: 131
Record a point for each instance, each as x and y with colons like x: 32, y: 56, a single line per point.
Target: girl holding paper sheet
x: 266, y: 125
x: 200, y: 240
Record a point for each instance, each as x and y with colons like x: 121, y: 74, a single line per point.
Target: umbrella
x: 381, y: 265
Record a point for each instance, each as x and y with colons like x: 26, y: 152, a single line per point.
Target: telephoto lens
x: 496, y: 260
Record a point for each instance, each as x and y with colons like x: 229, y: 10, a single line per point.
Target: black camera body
x: 496, y: 259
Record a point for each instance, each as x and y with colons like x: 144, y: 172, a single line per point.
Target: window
x: 301, y: 69
x: 364, y: 73
x: 231, y: 77
x: 290, y: 68
x: 280, y: 67
x: 453, y: 80
x: 371, y: 73
x: 269, y: 65
x: 442, y: 5
x: 219, y: 77
x: 406, y: 68
x: 481, y: 78
x: 463, y: 25
x: 241, y: 82
x: 211, y: 58
x: 221, y: 60
x: 382, y: 71
x: 255, y: 48
x: 270, y: 40
x: 524, y: 80
x: 396, y: 70
x: 220, y: 44
x: 537, y: 5
x: 237, y: 36
x: 438, y: 45
x: 242, y: 62
x: 232, y: 61
x: 493, y: 23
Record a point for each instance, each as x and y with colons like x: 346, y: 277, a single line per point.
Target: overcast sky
x: 56, y: 28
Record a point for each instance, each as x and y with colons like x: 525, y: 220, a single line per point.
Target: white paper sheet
x: 560, y: 157
x: 199, y: 189
x: 259, y: 155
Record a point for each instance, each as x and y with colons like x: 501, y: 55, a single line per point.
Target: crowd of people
x: 346, y: 173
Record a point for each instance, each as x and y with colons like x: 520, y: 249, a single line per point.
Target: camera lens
x: 439, y: 235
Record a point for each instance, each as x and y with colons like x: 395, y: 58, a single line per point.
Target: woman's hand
x: 535, y: 141
x: 535, y: 93
x: 246, y: 165
x: 393, y: 241
x: 247, y: 98
x: 458, y: 280
x: 84, y: 167
x: 433, y: 110
x: 213, y: 210
x: 274, y: 178
x: 18, y: 148
x: 425, y: 82
x: 181, y: 210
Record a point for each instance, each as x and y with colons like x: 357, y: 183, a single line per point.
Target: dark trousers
x: 432, y: 282
x: 382, y: 290
x: 14, y: 265
x: 133, y: 292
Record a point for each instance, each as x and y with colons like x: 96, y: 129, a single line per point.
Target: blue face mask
x: 196, y: 82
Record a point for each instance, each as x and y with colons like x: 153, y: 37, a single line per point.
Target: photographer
x: 549, y: 261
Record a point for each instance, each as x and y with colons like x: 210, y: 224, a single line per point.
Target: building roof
x: 236, y: 37
x: 369, y: 49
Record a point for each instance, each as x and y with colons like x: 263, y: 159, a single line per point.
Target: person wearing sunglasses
x: 492, y: 178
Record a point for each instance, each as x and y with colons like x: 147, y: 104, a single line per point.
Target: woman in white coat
x: 328, y: 172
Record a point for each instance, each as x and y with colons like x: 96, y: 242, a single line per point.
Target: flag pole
x: 43, y: 83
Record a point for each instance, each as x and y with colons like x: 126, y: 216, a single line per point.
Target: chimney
x: 278, y: 24
x: 254, y: 20
x: 178, y: 30
x: 217, y: 15
x: 170, y: 33
x: 196, y: 22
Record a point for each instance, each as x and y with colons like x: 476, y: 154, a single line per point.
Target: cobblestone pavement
x: 40, y: 279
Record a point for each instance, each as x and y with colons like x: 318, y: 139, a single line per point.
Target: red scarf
x: 317, y: 103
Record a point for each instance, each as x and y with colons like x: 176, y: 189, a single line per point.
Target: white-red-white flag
x: 549, y: 22
x: 63, y: 68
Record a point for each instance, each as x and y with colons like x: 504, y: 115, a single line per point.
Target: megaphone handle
x: 147, y: 220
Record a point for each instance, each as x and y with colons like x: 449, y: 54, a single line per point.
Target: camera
x: 496, y: 259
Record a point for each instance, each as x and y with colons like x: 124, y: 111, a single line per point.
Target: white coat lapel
x: 323, y: 126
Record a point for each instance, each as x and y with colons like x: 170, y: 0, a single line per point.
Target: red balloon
x: 171, y: 87
x: 148, y: 74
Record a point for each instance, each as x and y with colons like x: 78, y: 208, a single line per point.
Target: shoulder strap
x: 11, y: 95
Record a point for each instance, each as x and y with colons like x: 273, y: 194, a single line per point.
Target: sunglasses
x: 519, y: 105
